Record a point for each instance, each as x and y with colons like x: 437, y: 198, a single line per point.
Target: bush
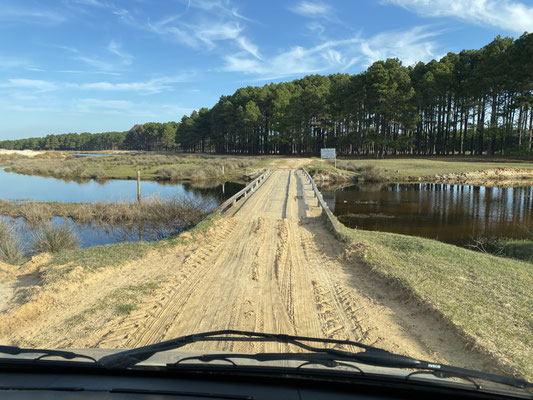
x: 371, y: 173
x: 54, y: 238
x: 11, y: 251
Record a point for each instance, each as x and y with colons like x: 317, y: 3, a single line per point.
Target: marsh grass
x: 11, y: 250
x: 152, y: 210
x: 54, y: 239
x: 173, y: 167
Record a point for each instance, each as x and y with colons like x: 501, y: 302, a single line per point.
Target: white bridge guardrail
x: 336, y: 225
x: 244, y: 193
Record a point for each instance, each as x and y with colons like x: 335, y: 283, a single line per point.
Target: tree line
x: 474, y: 102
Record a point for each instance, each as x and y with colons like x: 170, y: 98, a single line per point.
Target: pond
x: 450, y: 213
x: 18, y: 188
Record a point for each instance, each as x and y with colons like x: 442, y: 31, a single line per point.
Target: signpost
x: 329, y: 153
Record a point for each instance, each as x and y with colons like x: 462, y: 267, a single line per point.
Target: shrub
x: 54, y: 238
x: 11, y: 251
x: 371, y: 173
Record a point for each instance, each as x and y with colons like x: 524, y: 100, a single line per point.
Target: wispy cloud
x: 98, y: 64
x: 155, y: 85
x: 18, y: 14
x: 90, y: 3
x: 116, y: 48
x: 208, y: 23
x: 151, y: 86
x: 312, y: 9
x: 93, y: 104
x: 409, y: 46
x: 15, y: 62
x: 32, y: 84
x: 513, y: 16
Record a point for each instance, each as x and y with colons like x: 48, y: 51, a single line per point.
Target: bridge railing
x: 335, y: 224
x: 244, y: 193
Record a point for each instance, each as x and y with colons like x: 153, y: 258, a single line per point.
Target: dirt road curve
x: 269, y: 265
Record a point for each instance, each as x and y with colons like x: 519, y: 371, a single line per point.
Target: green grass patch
x: 122, y: 301
x: 487, y: 298
x: 125, y: 309
x: 318, y: 165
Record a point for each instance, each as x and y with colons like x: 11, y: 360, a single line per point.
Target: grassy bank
x: 171, y: 167
x: 460, y: 170
x: 486, y: 298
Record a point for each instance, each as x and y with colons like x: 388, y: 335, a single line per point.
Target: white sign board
x: 328, y: 153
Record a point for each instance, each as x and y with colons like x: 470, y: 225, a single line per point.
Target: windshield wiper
x: 325, y: 356
x: 129, y: 358
x: 69, y: 355
x: 381, y: 359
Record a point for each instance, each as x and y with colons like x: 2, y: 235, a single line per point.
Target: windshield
x: 354, y: 171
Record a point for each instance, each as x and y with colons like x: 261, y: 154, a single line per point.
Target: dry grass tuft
x: 54, y: 238
x: 11, y: 251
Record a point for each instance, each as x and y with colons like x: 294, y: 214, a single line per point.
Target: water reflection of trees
x: 452, y: 213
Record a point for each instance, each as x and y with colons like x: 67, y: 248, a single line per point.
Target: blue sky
x: 102, y: 65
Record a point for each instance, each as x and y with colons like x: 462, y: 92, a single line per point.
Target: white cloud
x: 510, y: 15
x: 100, y: 65
x: 409, y: 46
x: 116, y: 48
x: 15, y: 62
x: 24, y: 15
x: 91, y: 3
x: 248, y: 46
x: 338, y: 55
x: 31, y: 84
x: 208, y: 23
x: 151, y: 86
x: 210, y: 32
x: 312, y: 9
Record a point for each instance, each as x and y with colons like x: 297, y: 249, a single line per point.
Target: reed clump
x: 11, y: 251
x: 367, y: 172
x: 175, y: 212
x: 54, y: 238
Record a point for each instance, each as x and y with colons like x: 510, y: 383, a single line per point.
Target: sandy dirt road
x: 269, y: 265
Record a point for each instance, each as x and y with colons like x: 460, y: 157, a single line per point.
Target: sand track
x: 269, y: 265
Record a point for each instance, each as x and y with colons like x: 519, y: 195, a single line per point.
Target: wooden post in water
x: 138, y: 186
x: 223, y: 170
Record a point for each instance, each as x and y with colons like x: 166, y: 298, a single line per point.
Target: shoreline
x: 496, y: 177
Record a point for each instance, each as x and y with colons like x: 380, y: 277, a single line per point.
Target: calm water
x: 93, y: 155
x: 450, y: 213
x: 25, y: 187
x: 88, y: 234
x: 18, y: 187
